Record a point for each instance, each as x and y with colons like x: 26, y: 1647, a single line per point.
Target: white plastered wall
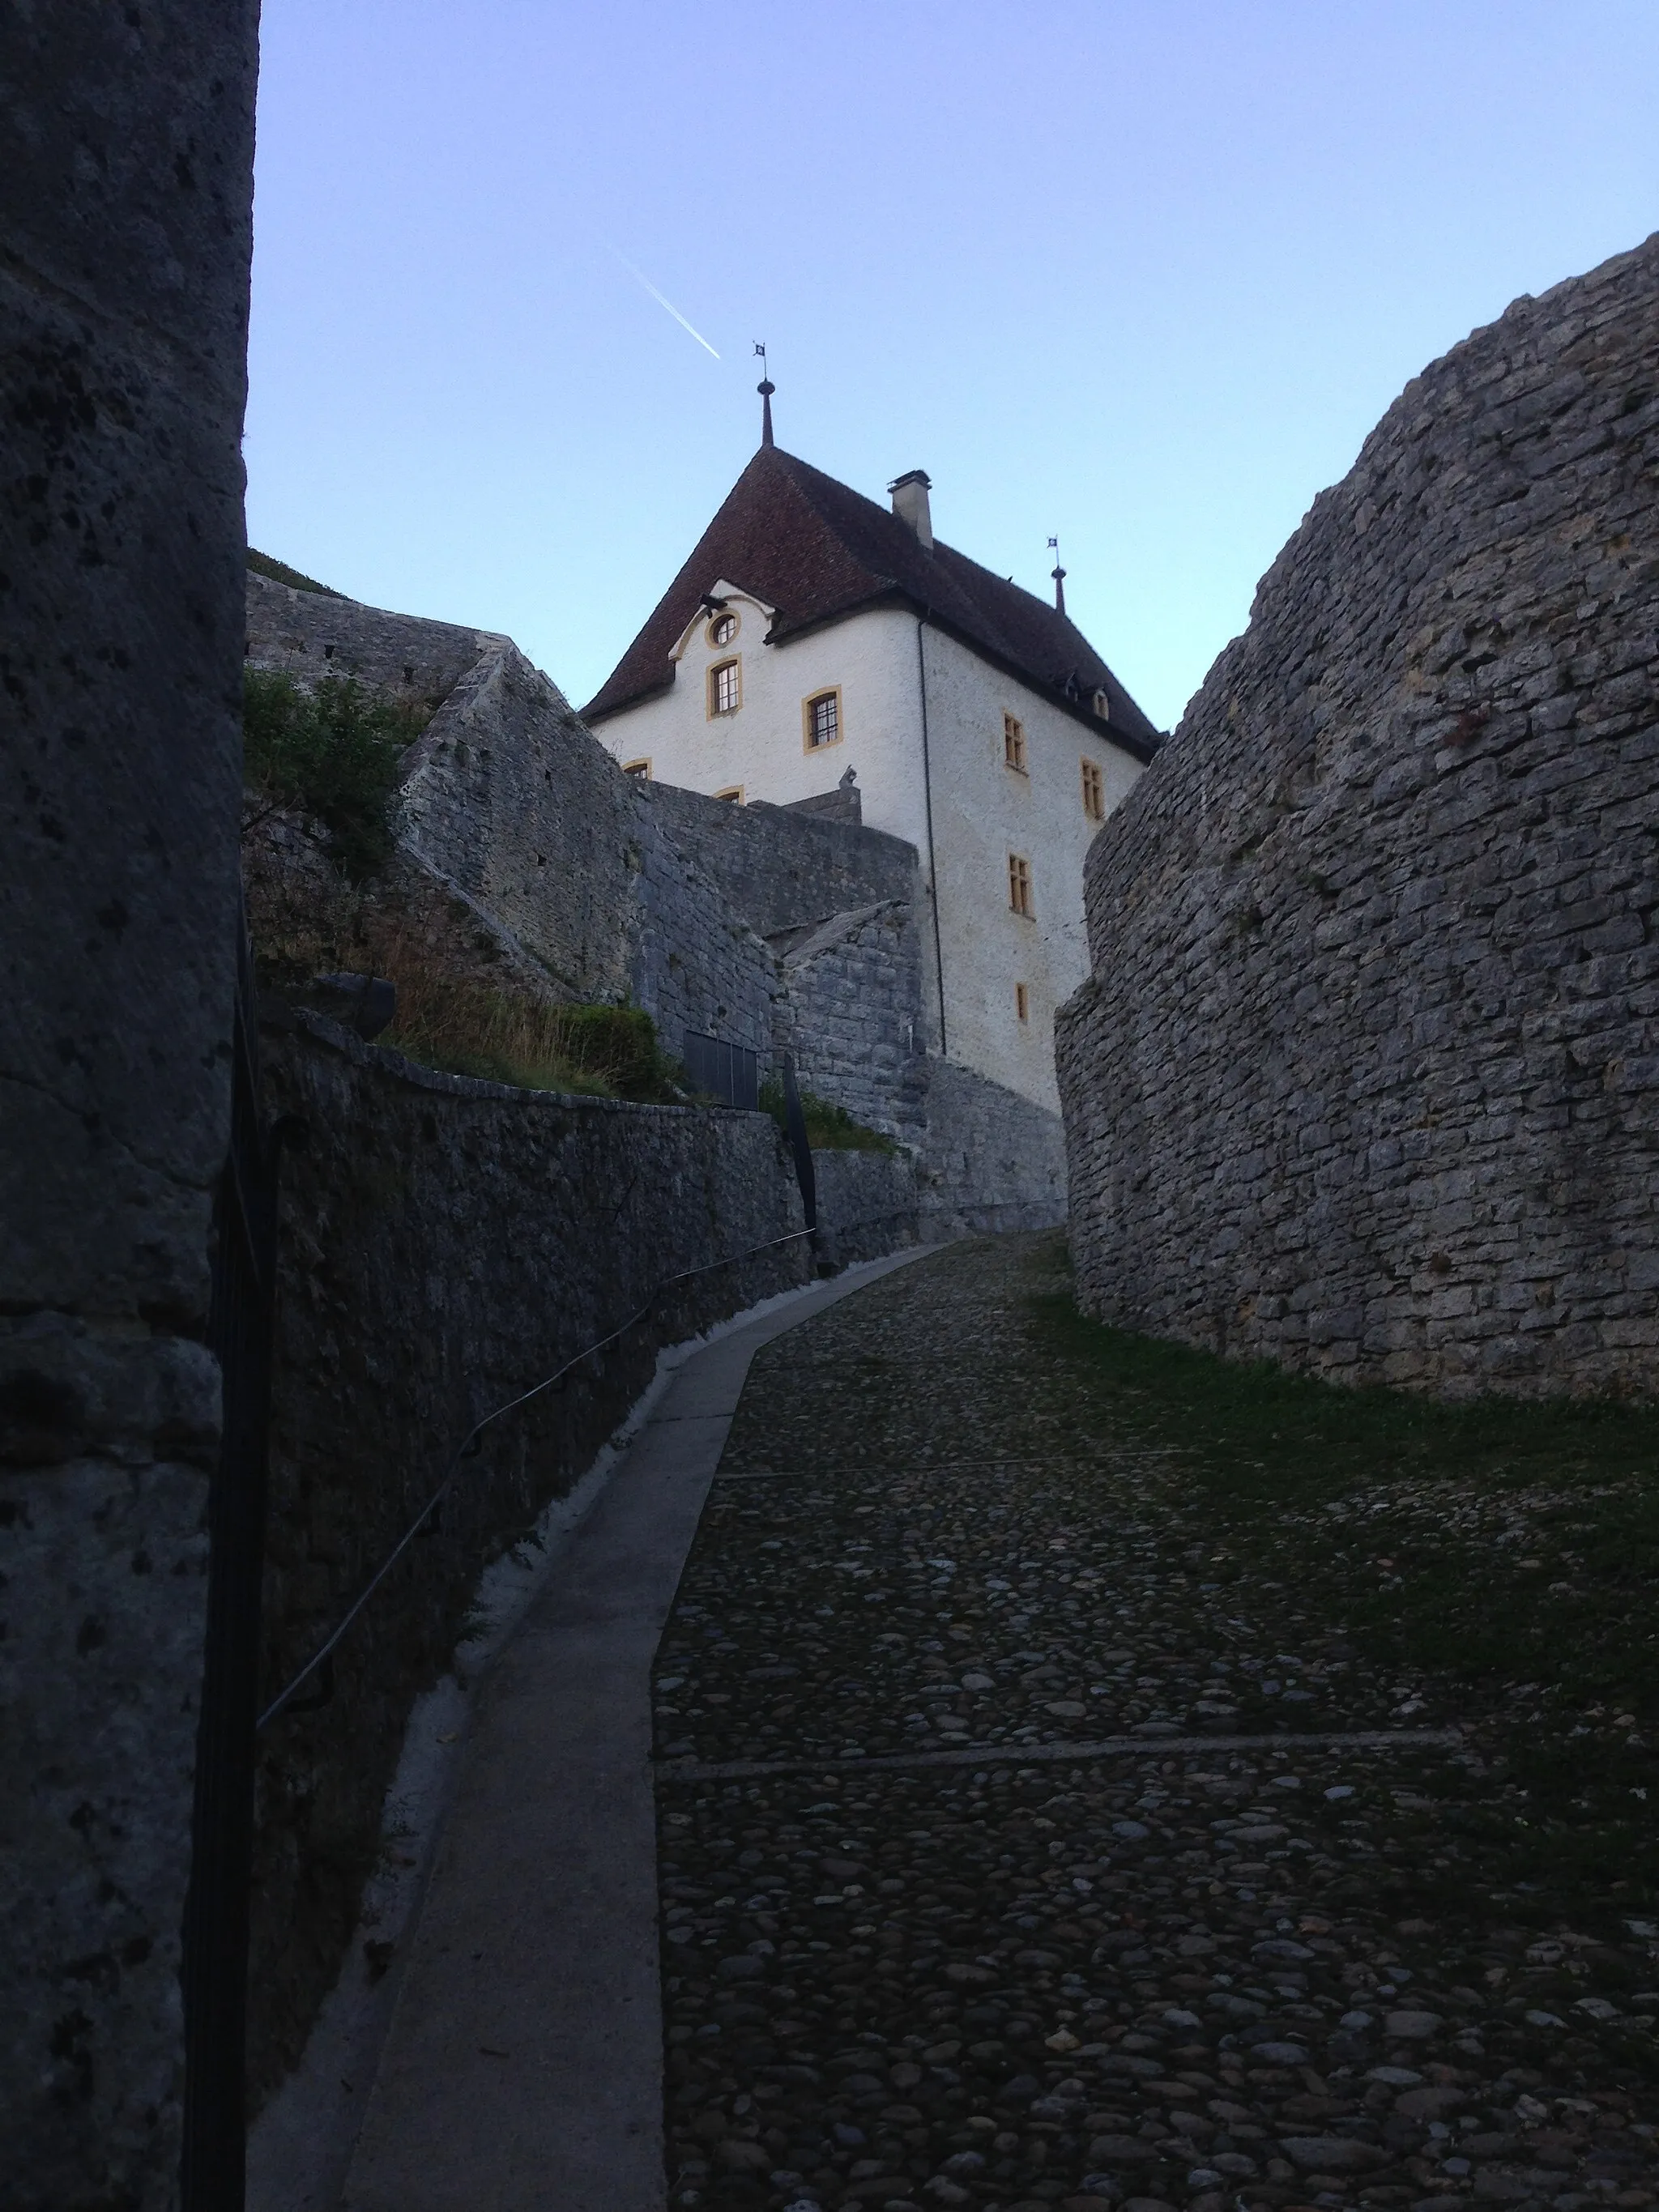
x: 982, y: 810
x: 870, y: 657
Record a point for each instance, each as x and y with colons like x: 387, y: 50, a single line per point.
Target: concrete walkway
x: 523, y: 2068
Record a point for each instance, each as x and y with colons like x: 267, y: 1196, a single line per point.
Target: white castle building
x: 816, y: 639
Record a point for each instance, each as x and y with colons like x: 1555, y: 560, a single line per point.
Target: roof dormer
x: 725, y: 614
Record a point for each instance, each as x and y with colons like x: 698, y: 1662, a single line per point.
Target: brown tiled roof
x: 817, y: 550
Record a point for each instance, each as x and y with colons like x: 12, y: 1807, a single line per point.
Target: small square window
x: 639, y: 768
x: 821, y: 714
x: 724, y: 687
x: 1094, y: 791
x: 1023, y: 1002
x: 1019, y: 883
x: 1013, y: 743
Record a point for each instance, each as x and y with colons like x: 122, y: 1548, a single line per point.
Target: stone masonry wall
x: 124, y: 198
x: 447, y: 1244
x: 780, y: 867
x: 988, y: 1160
x: 507, y: 798
x: 852, y: 1017
x: 316, y: 634
x: 980, y: 1156
x: 765, y: 926
x: 1366, y: 1077
x: 306, y: 918
x: 867, y: 1204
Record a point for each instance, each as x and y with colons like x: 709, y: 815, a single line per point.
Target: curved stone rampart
x: 1366, y: 1077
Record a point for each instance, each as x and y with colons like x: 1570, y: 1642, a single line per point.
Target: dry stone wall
x: 1366, y: 1077
x: 445, y: 1243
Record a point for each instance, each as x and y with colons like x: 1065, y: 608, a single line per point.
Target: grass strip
x: 1500, y: 1554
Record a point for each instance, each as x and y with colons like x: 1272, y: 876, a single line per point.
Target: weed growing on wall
x: 829, y: 1128
x: 279, y: 572
x: 608, y: 1052
x: 334, y: 752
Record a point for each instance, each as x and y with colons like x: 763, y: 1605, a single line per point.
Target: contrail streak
x: 661, y: 302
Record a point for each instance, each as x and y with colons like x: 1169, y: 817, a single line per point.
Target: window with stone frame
x: 1094, y: 791
x: 1019, y: 884
x: 1013, y: 743
x: 822, y: 719
x: 1023, y: 1002
x: 725, y: 687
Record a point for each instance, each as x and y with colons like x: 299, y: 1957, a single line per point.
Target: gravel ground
x: 1193, y: 1969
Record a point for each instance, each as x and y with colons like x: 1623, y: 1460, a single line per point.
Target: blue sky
x: 1143, y: 275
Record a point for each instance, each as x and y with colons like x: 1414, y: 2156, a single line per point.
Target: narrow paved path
x: 521, y: 2070
x: 1009, y: 1860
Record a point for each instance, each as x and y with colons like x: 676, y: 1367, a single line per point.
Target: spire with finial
x: 766, y: 388
x: 1059, y: 575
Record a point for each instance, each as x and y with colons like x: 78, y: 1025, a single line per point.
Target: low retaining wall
x: 867, y: 1204
x: 447, y: 1244
x: 989, y: 1160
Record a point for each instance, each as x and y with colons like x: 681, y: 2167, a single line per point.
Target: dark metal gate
x: 217, y: 1910
x: 729, y: 1073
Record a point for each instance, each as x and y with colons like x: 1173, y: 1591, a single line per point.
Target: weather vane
x: 1059, y: 575
x: 766, y: 388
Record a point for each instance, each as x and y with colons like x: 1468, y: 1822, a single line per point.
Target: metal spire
x: 1059, y: 575
x: 766, y: 388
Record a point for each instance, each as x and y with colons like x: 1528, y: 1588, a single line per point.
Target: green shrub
x: 619, y: 1043
x: 829, y: 1128
x: 333, y: 752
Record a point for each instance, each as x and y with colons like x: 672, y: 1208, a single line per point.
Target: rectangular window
x: 724, y: 687
x: 1094, y: 791
x: 1019, y: 883
x: 642, y: 768
x: 821, y: 719
x: 1022, y: 1002
x: 734, y: 793
x: 1013, y: 743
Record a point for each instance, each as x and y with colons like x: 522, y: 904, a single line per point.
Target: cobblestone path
x: 997, y: 1974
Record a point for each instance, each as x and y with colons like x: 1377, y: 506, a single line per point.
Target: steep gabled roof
x: 817, y: 551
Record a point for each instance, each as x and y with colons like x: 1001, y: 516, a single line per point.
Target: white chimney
x: 910, y: 504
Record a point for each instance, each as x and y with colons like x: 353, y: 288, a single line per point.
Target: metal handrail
x: 467, y: 1448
